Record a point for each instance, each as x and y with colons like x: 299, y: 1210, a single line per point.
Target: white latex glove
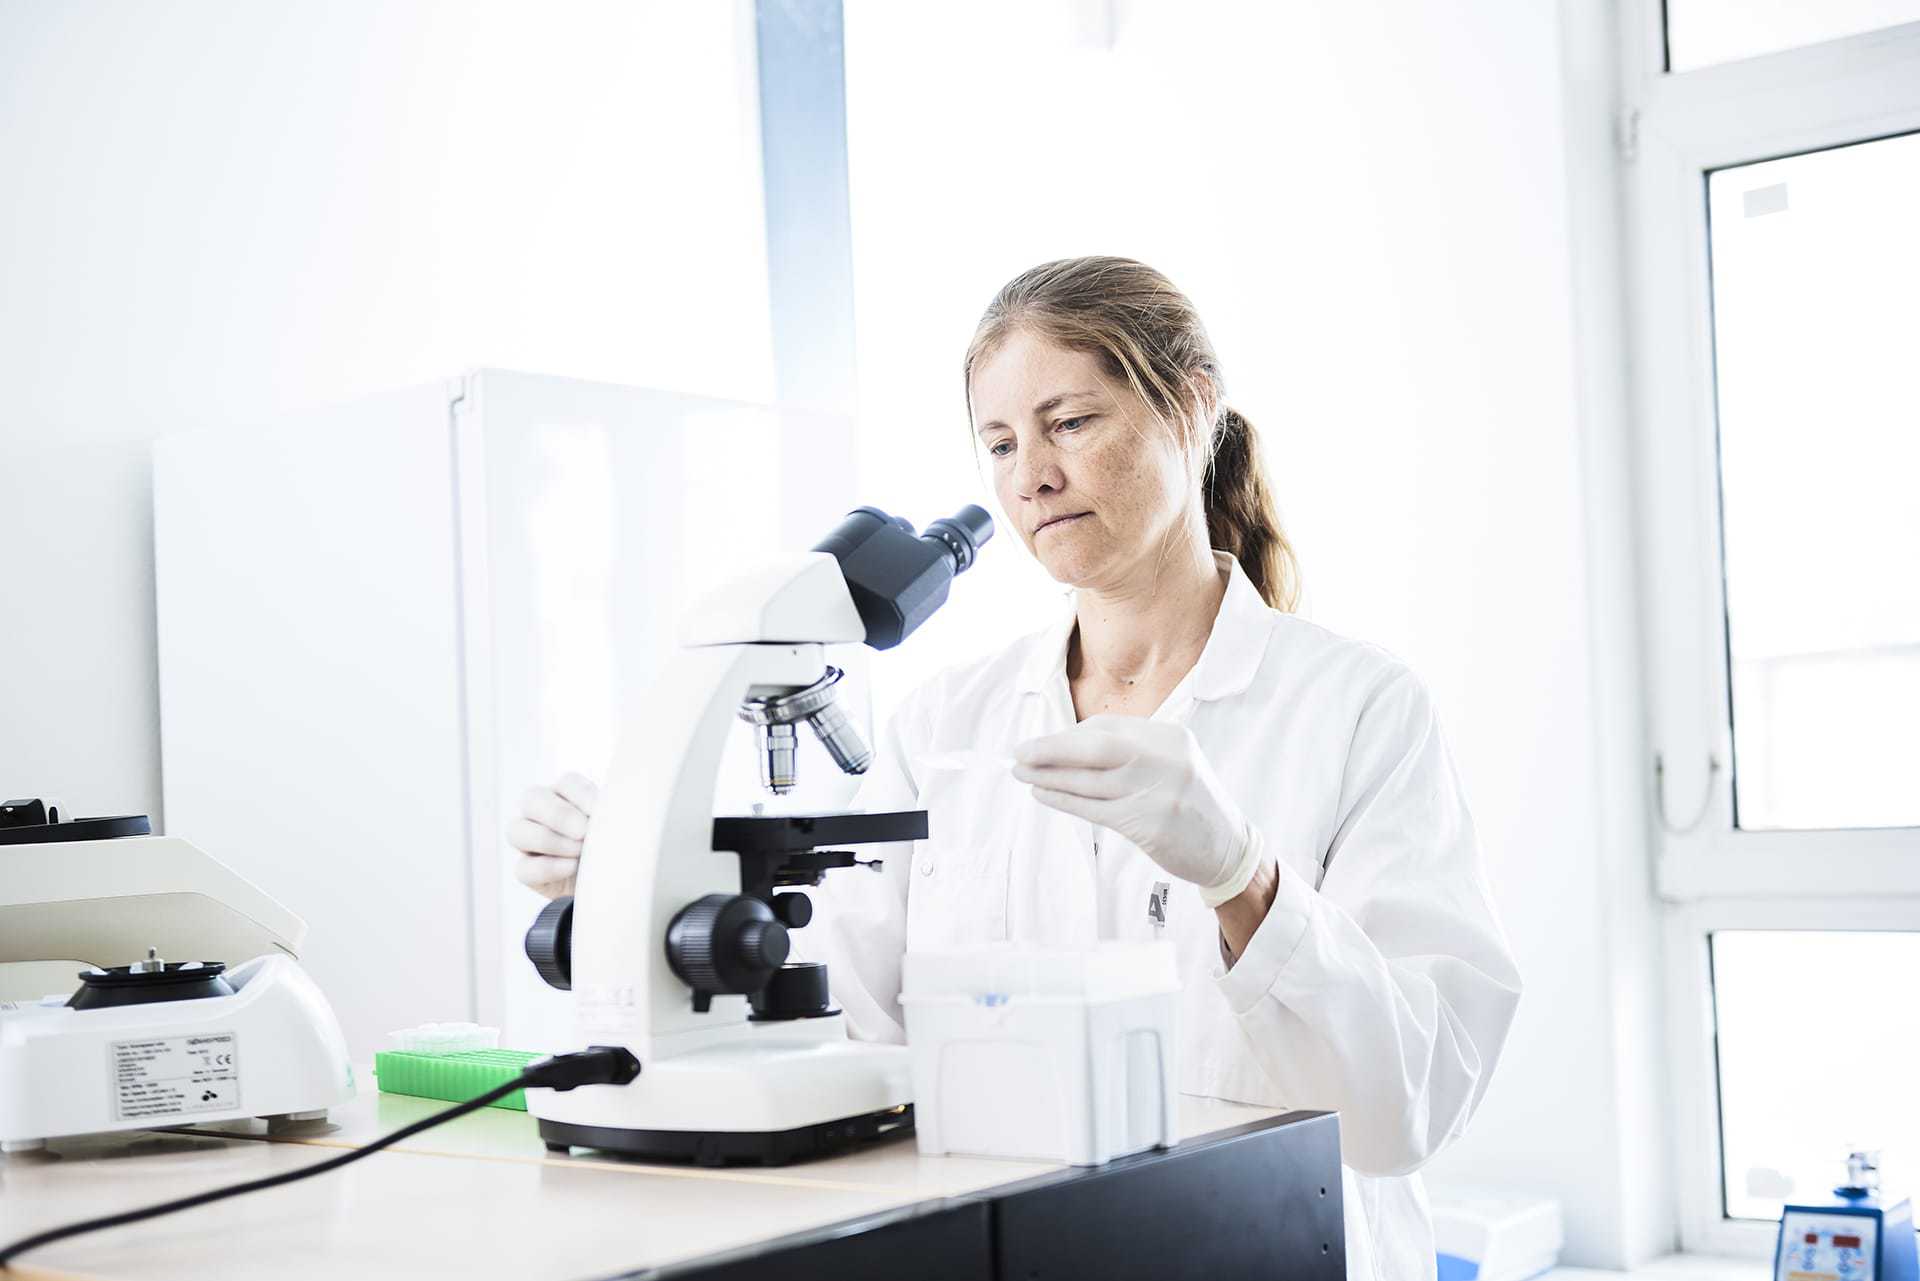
x: 549, y: 832
x: 1150, y: 782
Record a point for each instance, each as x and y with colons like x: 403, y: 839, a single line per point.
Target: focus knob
x: 761, y: 945
x: 725, y: 944
x: 550, y: 943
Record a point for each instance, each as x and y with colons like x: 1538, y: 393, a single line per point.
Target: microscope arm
x: 797, y: 600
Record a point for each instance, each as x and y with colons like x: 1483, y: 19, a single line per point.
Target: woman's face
x: 1095, y: 484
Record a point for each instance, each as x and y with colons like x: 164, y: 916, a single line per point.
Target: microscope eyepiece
x: 898, y: 578
x: 963, y: 534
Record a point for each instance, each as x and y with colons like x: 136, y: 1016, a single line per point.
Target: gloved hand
x: 549, y: 833
x: 1150, y: 782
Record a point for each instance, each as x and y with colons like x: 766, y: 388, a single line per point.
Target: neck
x: 1151, y: 625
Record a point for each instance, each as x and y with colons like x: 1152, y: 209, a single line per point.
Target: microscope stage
x: 794, y: 833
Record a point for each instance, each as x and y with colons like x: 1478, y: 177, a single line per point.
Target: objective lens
x: 777, y: 768
x: 842, y: 741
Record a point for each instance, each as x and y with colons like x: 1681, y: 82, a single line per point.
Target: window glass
x: 1703, y: 32
x: 1817, y: 1033
x: 1815, y: 273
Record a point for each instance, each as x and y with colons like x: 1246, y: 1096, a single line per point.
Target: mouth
x: 1060, y: 520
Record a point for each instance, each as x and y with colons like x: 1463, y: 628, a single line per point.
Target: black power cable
x: 596, y: 1065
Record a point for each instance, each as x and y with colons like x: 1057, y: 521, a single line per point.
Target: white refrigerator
x: 378, y: 624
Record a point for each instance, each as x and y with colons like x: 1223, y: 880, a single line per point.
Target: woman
x: 1209, y: 768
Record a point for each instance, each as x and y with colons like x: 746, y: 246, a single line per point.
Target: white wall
x: 1369, y: 201
x: 217, y: 211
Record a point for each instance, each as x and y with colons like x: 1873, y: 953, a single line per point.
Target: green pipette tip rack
x: 453, y: 1077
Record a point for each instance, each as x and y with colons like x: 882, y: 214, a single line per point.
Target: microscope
x: 675, y: 942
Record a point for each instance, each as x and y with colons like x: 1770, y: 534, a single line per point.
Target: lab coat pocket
x: 958, y: 889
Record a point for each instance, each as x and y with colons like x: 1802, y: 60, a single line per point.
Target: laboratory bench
x: 1247, y: 1191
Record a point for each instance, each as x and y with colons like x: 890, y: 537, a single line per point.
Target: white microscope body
x: 674, y: 921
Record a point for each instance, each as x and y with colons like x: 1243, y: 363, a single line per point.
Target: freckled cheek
x: 1122, y: 481
x: 1107, y: 468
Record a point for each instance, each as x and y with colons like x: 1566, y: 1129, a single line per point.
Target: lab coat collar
x: 1227, y: 665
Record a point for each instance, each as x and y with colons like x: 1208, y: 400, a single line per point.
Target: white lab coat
x: 1380, y: 983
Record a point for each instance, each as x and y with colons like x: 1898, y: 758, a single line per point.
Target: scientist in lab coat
x: 1276, y: 800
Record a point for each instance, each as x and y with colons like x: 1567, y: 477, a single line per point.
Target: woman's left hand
x: 1150, y: 782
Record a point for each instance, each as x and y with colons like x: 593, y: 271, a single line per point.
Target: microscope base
x: 731, y: 1147
x: 766, y: 1092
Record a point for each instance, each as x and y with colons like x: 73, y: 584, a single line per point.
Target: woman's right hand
x: 549, y: 833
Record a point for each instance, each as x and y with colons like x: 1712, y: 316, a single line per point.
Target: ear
x: 1204, y: 403
x: 1206, y: 395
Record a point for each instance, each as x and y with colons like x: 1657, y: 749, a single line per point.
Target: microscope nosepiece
x: 776, y: 717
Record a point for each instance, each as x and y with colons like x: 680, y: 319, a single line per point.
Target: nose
x: 1036, y: 472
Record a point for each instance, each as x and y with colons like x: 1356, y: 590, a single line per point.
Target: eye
x: 1000, y: 448
x: 1074, y: 424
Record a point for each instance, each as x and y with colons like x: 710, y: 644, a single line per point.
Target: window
x: 1777, y: 440
x: 1817, y: 1032
x: 1703, y: 32
x: 1815, y: 272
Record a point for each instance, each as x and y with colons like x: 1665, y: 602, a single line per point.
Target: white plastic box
x: 1490, y: 1237
x: 1048, y: 1054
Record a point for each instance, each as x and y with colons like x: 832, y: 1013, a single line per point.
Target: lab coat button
x: 926, y: 867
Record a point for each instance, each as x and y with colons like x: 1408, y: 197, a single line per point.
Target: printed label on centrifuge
x: 167, y: 1075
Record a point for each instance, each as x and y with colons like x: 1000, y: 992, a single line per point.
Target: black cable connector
x: 595, y: 1065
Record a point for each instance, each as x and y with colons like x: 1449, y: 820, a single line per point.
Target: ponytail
x: 1241, y: 518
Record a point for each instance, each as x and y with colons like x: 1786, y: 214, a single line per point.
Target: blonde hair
x: 1147, y: 332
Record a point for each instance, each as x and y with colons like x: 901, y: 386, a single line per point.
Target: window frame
x: 1675, y: 128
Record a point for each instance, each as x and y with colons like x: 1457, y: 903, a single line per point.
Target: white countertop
x: 479, y: 1196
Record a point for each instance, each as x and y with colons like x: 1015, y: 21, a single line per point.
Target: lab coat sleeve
x: 1387, y: 992
x: 859, y: 926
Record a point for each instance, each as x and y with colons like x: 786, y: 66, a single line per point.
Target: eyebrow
x: 1048, y: 405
